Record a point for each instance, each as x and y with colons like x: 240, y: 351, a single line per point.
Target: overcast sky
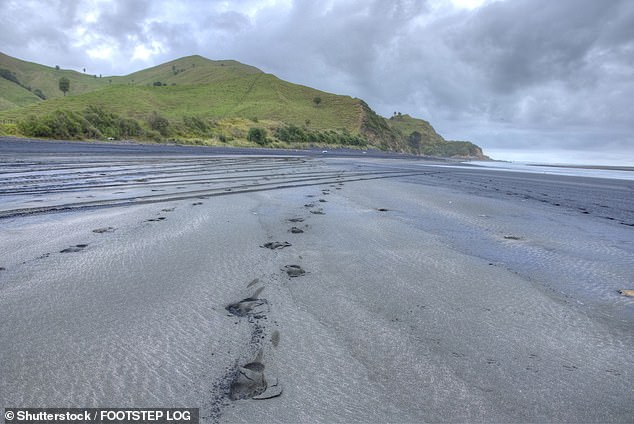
x: 525, y: 79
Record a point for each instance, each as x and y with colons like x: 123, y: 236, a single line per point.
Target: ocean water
x: 611, y: 172
x: 590, y: 171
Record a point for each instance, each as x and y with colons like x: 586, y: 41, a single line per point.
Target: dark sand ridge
x: 446, y: 306
x: 52, y: 185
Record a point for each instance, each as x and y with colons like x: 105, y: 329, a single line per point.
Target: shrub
x: 294, y: 134
x: 8, y: 75
x: 291, y: 133
x: 414, y: 140
x: 257, y: 135
x: 154, y: 135
x: 59, y: 124
x: 93, y: 122
x: 159, y: 123
x: 39, y: 94
x: 196, y: 125
x: 129, y: 128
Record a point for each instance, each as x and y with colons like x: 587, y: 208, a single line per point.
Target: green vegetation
x: 159, y: 124
x: 92, y: 123
x: 257, y: 135
x: 294, y: 134
x: 424, y: 140
x: 64, y: 85
x: 196, y: 100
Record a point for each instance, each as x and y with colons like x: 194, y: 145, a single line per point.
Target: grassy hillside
x: 196, y: 100
x: 185, y: 71
x: 260, y: 96
x: 14, y: 96
x: 421, y: 138
x: 407, y: 125
x: 31, y: 77
x: 188, y: 70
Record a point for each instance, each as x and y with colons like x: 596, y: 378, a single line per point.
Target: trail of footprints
x: 253, y: 380
x: 101, y: 230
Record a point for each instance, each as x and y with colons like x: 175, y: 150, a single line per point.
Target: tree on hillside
x: 64, y: 85
x: 317, y: 100
x: 414, y: 140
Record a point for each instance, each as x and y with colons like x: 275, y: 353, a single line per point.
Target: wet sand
x: 304, y: 289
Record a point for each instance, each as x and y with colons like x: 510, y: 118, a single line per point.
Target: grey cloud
x: 227, y: 22
x: 524, y: 42
x: 122, y: 18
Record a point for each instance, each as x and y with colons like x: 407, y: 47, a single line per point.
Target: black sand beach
x: 310, y: 287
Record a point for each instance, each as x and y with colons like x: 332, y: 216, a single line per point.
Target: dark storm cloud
x: 511, y: 73
x: 562, y: 59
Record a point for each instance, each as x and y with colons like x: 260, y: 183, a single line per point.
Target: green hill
x: 197, y: 100
x: 423, y: 139
x: 189, y: 70
x: 29, y: 77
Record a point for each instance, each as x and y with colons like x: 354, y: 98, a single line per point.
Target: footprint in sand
x: 250, y: 306
x: 250, y: 383
x: 318, y: 212
x: 309, y: 205
x: 160, y: 218
x: 323, y: 200
x: 273, y: 389
x: 249, y: 380
x: 296, y: 230
x: 296, y: 220
x: 197, y: 203
x: 276, y: 245
x: 294, y: 270
x: 103, y: 230
x: 75, y: 248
